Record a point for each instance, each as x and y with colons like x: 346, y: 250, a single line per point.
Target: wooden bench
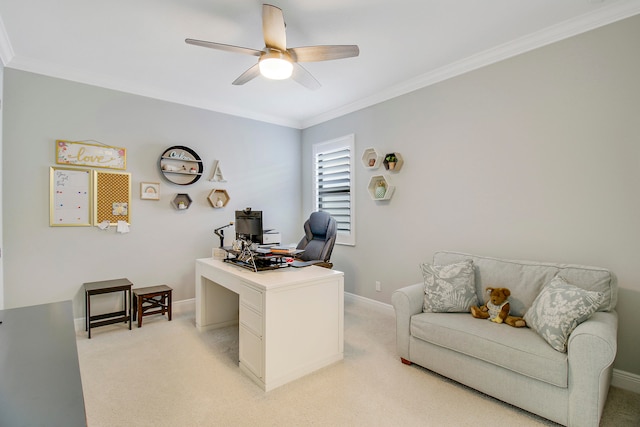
x: 145, y: 300
x: 104, y: 287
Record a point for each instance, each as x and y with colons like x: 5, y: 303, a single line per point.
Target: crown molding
x: 572, y: 27
x: 6, y: 50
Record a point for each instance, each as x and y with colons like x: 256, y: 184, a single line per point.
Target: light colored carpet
x: 169, y: 374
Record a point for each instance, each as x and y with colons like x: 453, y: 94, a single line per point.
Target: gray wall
x: 536, y: 157
x: 1, y: 246
x: 260, y: 161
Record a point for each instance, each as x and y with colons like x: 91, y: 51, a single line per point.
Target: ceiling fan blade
x: 302, y: 76
x: 248, y: 75
x: 225, y: 47
x: 273, y: 28
x: 323, y: 53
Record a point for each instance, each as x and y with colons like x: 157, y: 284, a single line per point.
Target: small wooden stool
x: 145, y: 299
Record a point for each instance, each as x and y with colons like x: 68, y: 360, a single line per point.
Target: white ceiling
x: 138, y: 46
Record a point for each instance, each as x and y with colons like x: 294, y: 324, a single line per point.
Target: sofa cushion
x: 558, y: 309
x: 525, y: 279
x: 520, y: 350
x: 449, y: 288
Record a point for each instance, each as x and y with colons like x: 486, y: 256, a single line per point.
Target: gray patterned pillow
x: 449, y: 288
x: 559, y: 309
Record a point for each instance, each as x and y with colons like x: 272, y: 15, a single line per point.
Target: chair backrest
x: 320, y: 232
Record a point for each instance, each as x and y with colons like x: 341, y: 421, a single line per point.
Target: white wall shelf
x: 375, y: 182
x: 389, y: 165
x: 371, y: 159
x: 182, y: 201
x: 218, y: 198
x: 181, y: 165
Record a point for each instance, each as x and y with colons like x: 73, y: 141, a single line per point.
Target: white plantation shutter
x: 333, y: 170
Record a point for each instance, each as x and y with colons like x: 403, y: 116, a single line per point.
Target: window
x: 334, y: 179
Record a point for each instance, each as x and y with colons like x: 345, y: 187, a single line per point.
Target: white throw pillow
x: 559, y: 309
x: 449, y: 288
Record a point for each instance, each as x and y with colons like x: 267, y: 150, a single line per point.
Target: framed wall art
x: 150, y: 190
x: 112, y: 196
x: 70, y: 197
x: 80, y: 153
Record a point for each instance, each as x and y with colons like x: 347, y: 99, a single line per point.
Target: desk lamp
x: 220, y: 233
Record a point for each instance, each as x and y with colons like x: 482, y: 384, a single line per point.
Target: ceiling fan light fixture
x: 275, y: 65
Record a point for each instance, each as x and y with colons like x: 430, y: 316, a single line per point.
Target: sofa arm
x: 591, y: 351
x: 406, y: 301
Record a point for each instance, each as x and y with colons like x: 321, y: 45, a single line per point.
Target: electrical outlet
x: 378, y: 288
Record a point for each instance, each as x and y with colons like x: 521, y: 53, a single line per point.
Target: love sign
x: 84, y: 154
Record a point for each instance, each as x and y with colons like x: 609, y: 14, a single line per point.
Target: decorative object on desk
x: 218, y: 253
x: 381, y: 188
x: 220, y: 232
x: 393, y: 162
x: 181, y: 165
x: 150, y: 190
x: 112, y: 193
x: 182, y: 201
x: 81, y: 153
x: 216, y: 172
x: 70, y: 197
x: 218, y: 198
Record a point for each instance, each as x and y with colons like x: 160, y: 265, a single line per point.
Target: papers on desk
x: 283, y: 250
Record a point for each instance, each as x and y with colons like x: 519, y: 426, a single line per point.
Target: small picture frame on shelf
x: 150, y: 190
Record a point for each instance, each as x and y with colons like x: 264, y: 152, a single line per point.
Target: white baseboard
x: 368, y: 301
x: 626, y: 381
x: 177, y: 308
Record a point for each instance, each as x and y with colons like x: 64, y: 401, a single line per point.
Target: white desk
x: 291, y: 319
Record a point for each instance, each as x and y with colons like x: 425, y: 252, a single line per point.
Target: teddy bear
x: 497, y: 308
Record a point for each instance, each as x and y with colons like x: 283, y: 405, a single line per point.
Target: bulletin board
x: 112, y: 197
x: 70, y: 197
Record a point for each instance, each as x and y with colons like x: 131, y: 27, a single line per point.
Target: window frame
x: 346, y: 142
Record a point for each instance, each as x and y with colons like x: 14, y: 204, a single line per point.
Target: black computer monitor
x: 249, y: 225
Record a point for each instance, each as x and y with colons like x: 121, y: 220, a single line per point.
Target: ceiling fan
x: 275, y: 60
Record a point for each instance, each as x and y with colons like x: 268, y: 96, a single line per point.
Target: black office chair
x: 320, y: 232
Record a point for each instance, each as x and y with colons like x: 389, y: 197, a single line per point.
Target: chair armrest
x: 407, y: 302
x: 591, y: 350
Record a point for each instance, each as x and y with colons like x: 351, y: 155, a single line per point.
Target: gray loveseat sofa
x: 517, y: 365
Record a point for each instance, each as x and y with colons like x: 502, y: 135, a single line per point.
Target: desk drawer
x: 251, y: 355
x: 251, y: 319
x: 251, y: 298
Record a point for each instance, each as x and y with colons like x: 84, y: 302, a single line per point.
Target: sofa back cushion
x: 525, y: 279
